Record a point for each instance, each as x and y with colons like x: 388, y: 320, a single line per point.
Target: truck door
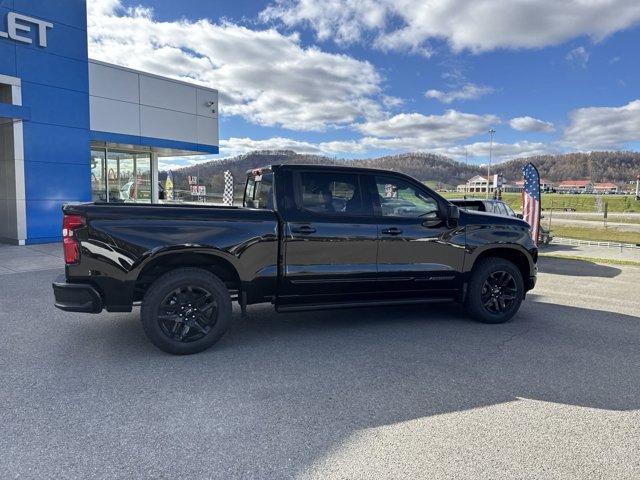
x: 420, y: 254
x: 330, y: 240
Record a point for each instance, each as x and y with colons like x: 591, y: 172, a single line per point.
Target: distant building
x: 575, y: 186
x: 545, y: 185
x: 477, y: 184
x: 606, y: 188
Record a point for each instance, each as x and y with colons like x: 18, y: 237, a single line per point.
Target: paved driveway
x: 414, y: 392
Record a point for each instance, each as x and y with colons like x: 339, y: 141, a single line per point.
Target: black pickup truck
x: 307, y: 237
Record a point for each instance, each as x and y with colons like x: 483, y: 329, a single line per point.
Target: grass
x: 610, y: 261
x: 597, y: 217
x: 581, y: 203
x: 595, y: 234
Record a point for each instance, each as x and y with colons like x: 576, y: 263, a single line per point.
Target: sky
x: 365, y: 78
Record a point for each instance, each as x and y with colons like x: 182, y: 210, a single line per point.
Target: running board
x: 380, y: 303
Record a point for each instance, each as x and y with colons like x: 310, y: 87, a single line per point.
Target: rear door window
x: 330, y: 193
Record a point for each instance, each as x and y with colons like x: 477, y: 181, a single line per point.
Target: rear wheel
x: 186, y: 311
x: 495, y: 292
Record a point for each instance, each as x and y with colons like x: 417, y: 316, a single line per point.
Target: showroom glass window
x: 120, y: 176
x: 98, y: 176
x: 128, y: 177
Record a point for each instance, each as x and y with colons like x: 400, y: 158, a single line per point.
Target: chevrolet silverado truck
x: 307, y: 237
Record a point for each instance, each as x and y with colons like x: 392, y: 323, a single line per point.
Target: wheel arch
x: 210, y: 260
x: 513, y: 254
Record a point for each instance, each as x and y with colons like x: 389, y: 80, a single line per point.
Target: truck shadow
x: 300, y: 384
x: 576, y: 268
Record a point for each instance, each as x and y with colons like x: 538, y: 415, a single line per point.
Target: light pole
x: 491, y: 133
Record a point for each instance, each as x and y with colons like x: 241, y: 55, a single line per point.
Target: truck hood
x: 482, y: 218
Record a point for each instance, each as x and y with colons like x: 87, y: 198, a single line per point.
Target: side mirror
x: 453, y: 212
x: 520, y: 216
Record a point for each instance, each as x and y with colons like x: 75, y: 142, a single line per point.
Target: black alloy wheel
x: 499, y: 292
x: 495, y: 291
x: 188, y: 313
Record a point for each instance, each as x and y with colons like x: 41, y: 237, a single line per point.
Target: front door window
x: 398, y: 198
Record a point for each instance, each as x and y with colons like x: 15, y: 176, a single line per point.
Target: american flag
x: 531, y: 199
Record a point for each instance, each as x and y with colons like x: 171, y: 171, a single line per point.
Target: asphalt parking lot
x: 415, y: 392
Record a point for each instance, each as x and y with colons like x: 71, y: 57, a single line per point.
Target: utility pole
x: 491, y: 133
x: 466, y: 162
x: 638, y: 188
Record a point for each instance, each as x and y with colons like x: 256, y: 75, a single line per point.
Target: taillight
x: 71, y: 248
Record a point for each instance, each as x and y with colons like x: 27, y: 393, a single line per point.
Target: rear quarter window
x: 259, y: 192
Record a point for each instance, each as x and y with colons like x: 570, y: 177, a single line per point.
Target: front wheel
x: 186, y: 311
x: 495, y: 292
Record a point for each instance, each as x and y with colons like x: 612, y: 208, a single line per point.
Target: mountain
x: 617, y: 167
x: 428, y: 167
x: 438, y: 170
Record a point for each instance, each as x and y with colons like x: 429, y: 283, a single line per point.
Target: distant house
x: 606, y: 188
x: 478, y: 184
x: 575, y: 186
x: 545, y: 185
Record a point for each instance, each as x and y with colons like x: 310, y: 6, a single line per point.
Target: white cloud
x: 266, y: 77
x: 173, y: 163
x: 578, y: 57
x: 501, y: 152
x: 530, y: 124
x: 430, y: 129
x: 392, y: 102
x: 238, y: 146
x: 603, y: 127
x: 476, y: 25
x: 469, y: 91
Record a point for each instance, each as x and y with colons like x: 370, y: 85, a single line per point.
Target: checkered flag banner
x: 227, y: 195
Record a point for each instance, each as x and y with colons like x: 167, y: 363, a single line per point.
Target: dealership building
x: 75, y: 129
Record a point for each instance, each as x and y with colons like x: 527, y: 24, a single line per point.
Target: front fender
x: 501, y: 239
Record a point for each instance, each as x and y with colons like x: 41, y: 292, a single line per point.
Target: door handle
x: 392, y: 231
x: 303, y: 229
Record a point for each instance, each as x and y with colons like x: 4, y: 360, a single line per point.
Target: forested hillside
x: 435, y: 169
x: 618, y: 167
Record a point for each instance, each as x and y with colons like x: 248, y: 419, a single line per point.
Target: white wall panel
x: 167, y: 94
x: 135, y: 103
x: 207, y: 130
x: 168, y: 124
x: 114, y: 116
x: 205, y: 96
x: 114, y: 83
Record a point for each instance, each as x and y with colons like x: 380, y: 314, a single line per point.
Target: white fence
x: 591, y: 243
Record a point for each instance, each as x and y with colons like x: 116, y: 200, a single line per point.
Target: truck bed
x: 123, y: 245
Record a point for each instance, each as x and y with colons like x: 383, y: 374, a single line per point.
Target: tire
x: 488, y: 305
x: 186, y: 311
